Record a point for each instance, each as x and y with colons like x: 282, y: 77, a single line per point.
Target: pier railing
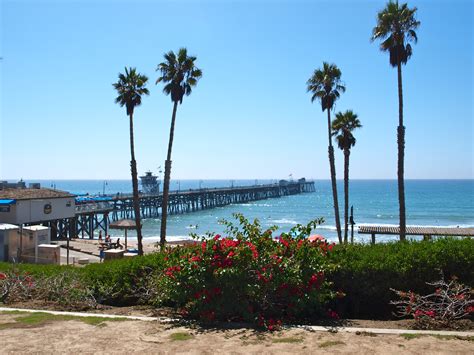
x: 96, y: 214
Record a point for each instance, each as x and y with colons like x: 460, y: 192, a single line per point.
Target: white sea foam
x: 331, y: 228
x: 284, y: 221
x: 418, y: 225
x: 169, y: 238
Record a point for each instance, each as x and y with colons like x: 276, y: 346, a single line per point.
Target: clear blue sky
x: 250, y: 115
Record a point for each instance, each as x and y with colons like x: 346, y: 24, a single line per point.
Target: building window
x: 4, y: 208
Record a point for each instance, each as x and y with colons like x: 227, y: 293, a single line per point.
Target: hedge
x: 366, y: 273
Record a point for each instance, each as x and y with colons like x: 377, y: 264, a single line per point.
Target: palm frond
x: 130, y: 87
x: 325, y: 84
x: 396, y: 25
x: 179, y: 74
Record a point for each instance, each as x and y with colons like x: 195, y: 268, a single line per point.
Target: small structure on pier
x: 150, y: 184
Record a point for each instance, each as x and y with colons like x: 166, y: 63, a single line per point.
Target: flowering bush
x: 15, y: 286
x: 449, y: 302
x: 248, y: 276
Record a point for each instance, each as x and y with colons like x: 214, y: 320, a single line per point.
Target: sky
x: 250, y: 115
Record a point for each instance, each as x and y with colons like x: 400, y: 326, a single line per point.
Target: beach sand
x: 73, y: 336
x: 91, y: 246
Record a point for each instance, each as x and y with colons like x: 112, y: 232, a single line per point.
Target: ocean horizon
x: 429, y: 202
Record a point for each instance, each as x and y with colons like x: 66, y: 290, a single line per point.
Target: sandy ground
x: 92, y: 246
x: 89, y: 249
x: 152, y: 337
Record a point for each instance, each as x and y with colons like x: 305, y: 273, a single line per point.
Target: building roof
x: 30, y: 194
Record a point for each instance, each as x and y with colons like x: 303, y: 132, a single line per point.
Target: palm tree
x: 342, y: 128
x: 396, y: 27
x: 326, y: 86
x: 180, y: 75
x: 130, y: 88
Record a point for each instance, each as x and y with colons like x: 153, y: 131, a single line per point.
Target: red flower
x: 217, y: 236
x: 332, y: 314
x: 418, y: 313
x: 203, y: 246
x: 2, y: 276
x: 196, y: 258
x: 430, y: 314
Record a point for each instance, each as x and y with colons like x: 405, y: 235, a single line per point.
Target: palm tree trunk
x: 401, y: 156
x: 332, y: 166
x: 136, y: 201
x: 167, y: 178
x: 347, y: 153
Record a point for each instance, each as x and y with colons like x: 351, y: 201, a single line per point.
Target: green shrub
x: 120, y: 282
x: 248, y: 276
x: 366, y: 273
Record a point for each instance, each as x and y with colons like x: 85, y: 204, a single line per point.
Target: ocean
x: 448, y: 203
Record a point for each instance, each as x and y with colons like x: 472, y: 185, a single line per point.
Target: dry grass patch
x: 180, y: 336
x: 37, y: 319
x: 288, y: 340
x: 329, y: 343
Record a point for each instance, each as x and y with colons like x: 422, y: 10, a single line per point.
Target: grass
x: 408, y: 336
x: 367, y: 334
x: 329, y: 343
x: 290, y: 340
x: 180, y: 336
x: 452, y: 337
x: 39, y: 318
x: 439, y: 336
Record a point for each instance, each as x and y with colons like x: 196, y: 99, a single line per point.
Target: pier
x: 95, y: 213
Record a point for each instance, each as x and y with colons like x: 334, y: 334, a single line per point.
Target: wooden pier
x: 426, y: 232
x: 92, y: 215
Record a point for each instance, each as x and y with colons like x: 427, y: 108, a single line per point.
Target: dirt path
x: 20, y: 333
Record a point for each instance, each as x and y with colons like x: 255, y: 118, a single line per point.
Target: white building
x: 28, y: 206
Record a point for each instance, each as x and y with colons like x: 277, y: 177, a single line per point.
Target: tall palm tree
x: 130, y: 88
x: 180, y: 75
x: 396, y: 27
x: 326, y: 86
x: 342, y: 128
